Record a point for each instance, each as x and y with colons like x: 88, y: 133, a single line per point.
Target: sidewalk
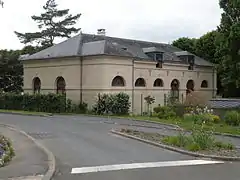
x: 30, y: 162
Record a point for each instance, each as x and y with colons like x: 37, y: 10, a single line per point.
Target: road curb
x: 51, y: 159
x: 223, y: 158
x: 22, y: 114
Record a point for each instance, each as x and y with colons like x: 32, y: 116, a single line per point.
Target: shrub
x: 112, y: 104
x: 52, y: 103
x: 204, y: 139
x: 232, y: 118
x: 164, y: 112
x: 215, y: 118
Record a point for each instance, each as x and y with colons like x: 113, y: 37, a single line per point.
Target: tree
x: 1, y: 3
x: 52, y: 23
x: 186, y: 44
x: 229, y: 45
x: 205, y: 46
x: 11, y: 71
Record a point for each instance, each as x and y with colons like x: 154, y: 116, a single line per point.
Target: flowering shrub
x: 201, y: 115
x: 6, y: 151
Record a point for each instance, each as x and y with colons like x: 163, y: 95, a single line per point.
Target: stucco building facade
x: 86, y: 65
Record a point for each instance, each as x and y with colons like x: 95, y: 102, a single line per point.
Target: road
x: 85, y: 143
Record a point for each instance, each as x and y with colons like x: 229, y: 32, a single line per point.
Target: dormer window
x: 155, y: 54
x: 159, y: 56
x: 187, y: 57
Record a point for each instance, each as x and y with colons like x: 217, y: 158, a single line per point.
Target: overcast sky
x: 152, y: 20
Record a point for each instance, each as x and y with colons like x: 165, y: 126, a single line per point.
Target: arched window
x: 190, y: 86
x: 36, y: 85
x: 204, y: 84
x: 61, y: 85
x: 175, y: 89
x: 118, y: 81
x: 140, y: 82
x: 158, y: 83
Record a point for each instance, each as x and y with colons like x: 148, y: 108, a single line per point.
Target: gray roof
x: 89, y: 44
x: 225, y: 103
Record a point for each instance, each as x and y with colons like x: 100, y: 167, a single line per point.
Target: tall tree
x: 230, y: 45
x: 185, y: 44
x: 52, y: 23
x: 11, y: 71
x: 206, y: 47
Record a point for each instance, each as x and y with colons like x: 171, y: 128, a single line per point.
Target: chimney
x: 101, y: 32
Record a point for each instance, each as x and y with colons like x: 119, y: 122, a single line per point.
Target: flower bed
x: 199, y: 142
x: 6, y: 151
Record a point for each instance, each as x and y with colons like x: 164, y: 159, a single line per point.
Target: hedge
x: 51, y: 103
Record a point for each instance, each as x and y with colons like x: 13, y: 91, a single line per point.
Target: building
x: 88, y: 64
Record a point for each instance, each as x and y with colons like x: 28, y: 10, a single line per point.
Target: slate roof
x: 90, y: 44
x: 225, y: 103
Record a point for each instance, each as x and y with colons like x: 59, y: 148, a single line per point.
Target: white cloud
x: 154, y: 20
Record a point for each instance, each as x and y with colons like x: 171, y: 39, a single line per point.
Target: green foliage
x: 185, y: 44
x: 149, y: 100
x: 180, y: 141
x: 52, y: 23
x: 232, y: 118
x: 117, y: 104
x: 11, y: 71
x: 229, y: 45
x: 199, y: 140
x: 51, y: 103
x: 204, y: 139
x: 164, y: 112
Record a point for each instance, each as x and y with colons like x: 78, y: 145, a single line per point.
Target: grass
x: 198, y: 141
x: 188, y: 125
x: 24, y: 112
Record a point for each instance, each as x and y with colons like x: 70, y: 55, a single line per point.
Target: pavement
x: 84, y: 149
x: 30, y: 162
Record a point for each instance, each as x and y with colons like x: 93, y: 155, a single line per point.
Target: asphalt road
x: 82, y: 141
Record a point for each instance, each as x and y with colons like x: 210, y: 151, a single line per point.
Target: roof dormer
x: 154, y: 53
x: 187, y: 57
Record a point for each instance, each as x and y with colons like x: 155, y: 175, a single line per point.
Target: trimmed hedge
x: 51, y: 103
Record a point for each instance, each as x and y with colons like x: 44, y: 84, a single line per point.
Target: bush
x: 204, y: 139
x: 117, y: 104
x: 51, y: 103
x: 202, y: 118
x: 164, y: 112
x: 232, y: 118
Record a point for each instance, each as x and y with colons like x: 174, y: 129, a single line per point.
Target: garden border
x: 223, y: 158
x: 51, y: 159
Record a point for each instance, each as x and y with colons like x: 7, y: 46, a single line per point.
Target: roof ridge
x: 127, y: 39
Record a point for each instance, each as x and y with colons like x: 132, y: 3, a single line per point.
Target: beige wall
x: 98, y: 72
x: 49, y: 70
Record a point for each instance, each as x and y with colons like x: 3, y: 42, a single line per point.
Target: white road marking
x: 142, y: 165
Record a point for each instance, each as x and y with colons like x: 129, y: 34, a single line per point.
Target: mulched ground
x: 158, y: 138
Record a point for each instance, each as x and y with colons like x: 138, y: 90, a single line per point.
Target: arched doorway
x: 60, y: 85
x: 190, y: 86
x: 36, y: 85
x: 175, y: 89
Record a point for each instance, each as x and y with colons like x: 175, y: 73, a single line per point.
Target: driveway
x: 84, y: 146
